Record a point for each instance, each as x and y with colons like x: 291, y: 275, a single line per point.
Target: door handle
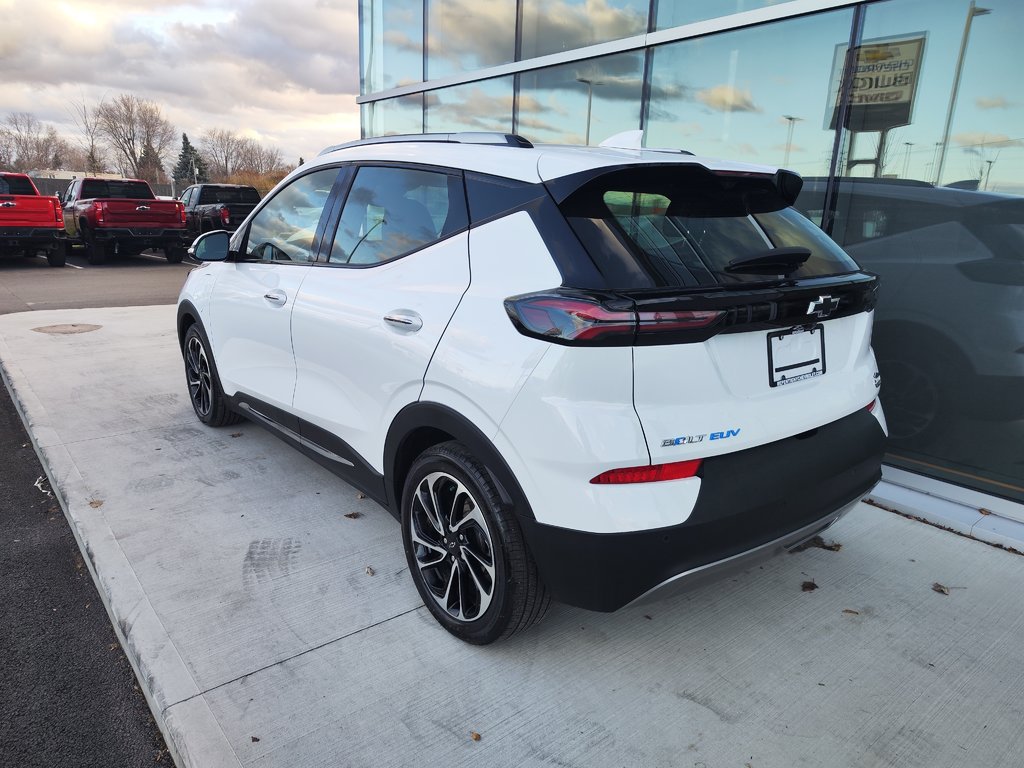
x: 8, y: 204
x: 409, y: 322
x: 276, y: 297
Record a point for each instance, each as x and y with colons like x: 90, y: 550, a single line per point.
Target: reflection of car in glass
x: 571, y: 372
x: 949, y: 331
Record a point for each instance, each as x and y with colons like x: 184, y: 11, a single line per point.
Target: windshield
x: 664, y: 226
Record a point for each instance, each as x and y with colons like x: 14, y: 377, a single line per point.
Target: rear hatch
x: 21, y: 206
x: 751, y: 325
x: 131, y: 204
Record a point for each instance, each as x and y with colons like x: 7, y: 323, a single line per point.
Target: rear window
x: 132, y: 190
x: 680, y: 226
x: 229, y: 195
x: 16, y: 185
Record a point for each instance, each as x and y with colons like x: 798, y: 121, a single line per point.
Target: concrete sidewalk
x: 244, y: 597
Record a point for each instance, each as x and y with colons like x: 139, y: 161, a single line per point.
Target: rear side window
x: 16, y: 185
x: 131, y: 190
x: 391, y: 212
x: 680, y: 226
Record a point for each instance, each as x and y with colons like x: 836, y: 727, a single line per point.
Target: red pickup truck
x: 29, y: 222
x: 123, y: 217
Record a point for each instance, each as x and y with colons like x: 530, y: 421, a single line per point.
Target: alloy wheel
x: 453, y: 547
x: 197, y: 373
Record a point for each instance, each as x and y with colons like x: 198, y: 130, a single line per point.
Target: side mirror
x: 210, y: 246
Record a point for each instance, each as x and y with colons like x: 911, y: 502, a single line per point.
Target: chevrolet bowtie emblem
x: 823, y: 307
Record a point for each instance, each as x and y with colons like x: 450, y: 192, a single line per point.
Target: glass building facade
x: 905, y: 117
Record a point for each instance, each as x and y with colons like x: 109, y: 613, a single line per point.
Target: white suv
x: 580, y: 373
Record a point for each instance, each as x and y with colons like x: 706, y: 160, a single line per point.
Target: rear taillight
x: 225, y: 216
x: 58, y: 214
x: 579, y: 320
x: 181, y: 213
x: 676, y: 470
x: 101, y: 211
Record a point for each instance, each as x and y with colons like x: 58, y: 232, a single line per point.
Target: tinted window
x: 393, y: 211
x: 186, y: 195
x: 228, y: 195
x: 131, y: 190
x: 284, y: 229
x: 16, y: 185
x: 681, y: 226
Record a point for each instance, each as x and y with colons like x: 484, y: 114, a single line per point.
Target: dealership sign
x: 883, y: 83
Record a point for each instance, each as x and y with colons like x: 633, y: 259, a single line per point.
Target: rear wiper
x: 774, y: 261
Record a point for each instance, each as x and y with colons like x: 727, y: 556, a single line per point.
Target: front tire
x: 465, y: 550
x: 204, y: 390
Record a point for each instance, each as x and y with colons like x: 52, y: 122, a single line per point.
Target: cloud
x: 992, y: 102
x: 727, y: 98
x: 289, y: 76
x: 976, y: 140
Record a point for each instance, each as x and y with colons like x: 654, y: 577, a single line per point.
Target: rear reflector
x: 676, y: 470
x: 871, y: 405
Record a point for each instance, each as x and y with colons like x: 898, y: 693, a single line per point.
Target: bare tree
x: 220, y: 149
x: 256, y: 158
x: 135, y: 127
x: 6, y: 149
x: 93, y: 155
x: 30, y: 145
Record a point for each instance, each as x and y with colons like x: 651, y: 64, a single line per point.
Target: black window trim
x: 326, y: 244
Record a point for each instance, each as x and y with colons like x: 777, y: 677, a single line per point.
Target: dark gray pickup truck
x: 217, y: 206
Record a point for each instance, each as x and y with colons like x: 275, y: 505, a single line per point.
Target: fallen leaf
x: 851, y: 611
x: 817, y: 541
x: 353, y: 515
x: 238, y: 434
x: 360, y: 495
x: 96, y: 503
x: 474, y: 736
x: 808, y: 586
x: 254, y: 739
x: 942, y: 590
x: 369, y: 571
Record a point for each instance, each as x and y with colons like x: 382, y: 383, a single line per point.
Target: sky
x: 284, y: 73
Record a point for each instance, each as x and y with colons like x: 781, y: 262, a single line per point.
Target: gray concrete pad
x: 242, y: 595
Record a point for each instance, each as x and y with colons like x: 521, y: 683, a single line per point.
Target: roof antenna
x: 624, y: 140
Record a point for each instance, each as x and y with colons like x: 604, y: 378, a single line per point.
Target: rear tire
x: 95, y: 251
x: 465, y: 549
x: 204, y: 390
x: 57, y: 256
x: 174, y: 254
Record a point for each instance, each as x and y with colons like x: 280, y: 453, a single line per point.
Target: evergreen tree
x: 190, y: 168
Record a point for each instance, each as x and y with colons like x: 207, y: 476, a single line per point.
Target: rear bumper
x: 30, y: 237
x: 141, y: 235
x: 752, y: 504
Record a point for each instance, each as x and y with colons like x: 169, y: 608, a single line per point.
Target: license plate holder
x: 796, y: 354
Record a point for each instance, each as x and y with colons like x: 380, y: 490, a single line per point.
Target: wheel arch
x: 188, y: 316
x: 421, y: 425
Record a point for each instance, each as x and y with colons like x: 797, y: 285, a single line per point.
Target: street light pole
x: 906, y: 160
x: 972, y: 11
x: 789, y: 136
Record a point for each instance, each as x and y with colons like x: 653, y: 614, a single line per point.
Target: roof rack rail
x: 465, y: 137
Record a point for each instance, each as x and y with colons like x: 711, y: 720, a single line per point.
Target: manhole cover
x: 67, y: 328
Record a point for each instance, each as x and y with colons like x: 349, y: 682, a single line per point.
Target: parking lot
x: 269, y: 614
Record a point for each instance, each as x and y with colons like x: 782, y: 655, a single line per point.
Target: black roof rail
x: 872, y: 180
x: 465, y: 137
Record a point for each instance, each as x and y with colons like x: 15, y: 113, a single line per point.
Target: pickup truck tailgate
x: 141, y: 213
x: 27, y: 211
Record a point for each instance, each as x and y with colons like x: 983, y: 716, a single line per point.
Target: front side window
x: 391, y: 212
x: 285, y: 227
